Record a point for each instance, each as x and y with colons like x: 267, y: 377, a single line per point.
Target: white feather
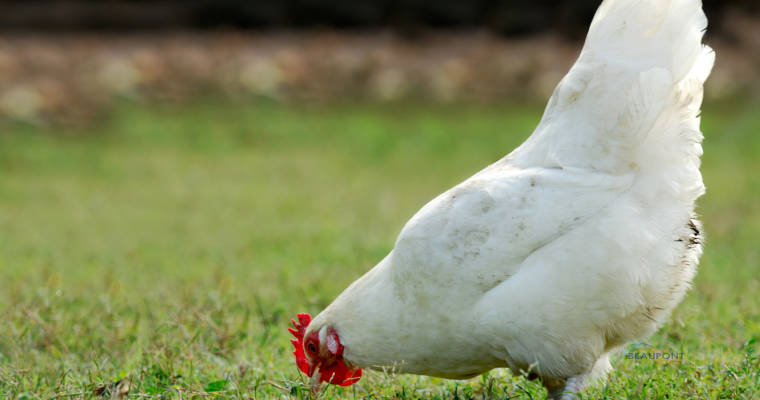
x: 575, y: 243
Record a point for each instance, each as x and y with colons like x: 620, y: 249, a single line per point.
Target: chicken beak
x: 315, y: 380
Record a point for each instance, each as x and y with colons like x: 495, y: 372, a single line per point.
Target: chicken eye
x: 311, y: 347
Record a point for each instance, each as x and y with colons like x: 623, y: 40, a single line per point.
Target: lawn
x: 168, y: 247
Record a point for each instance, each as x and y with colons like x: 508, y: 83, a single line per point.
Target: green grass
x: 171, y: 246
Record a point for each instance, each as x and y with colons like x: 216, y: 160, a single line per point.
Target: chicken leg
x: 568, y: 389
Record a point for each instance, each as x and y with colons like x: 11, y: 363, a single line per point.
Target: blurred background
x: 179, y: 178
x: 67, y: 61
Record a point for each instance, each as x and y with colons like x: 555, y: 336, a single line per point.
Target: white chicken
x: 582, y: 239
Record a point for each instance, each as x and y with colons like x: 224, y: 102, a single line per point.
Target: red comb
x: 300, y: 329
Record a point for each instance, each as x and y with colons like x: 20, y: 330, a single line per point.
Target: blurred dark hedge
x: 508, y: 17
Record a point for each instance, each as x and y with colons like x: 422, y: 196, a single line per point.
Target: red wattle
x: 339, y: 374
x: 353, y: 378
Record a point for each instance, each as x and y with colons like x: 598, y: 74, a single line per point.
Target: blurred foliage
x: 66, y: 62
x: 75, y: 79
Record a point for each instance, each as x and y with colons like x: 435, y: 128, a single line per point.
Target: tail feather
x: 644, y: 34
x: 638, y: 79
